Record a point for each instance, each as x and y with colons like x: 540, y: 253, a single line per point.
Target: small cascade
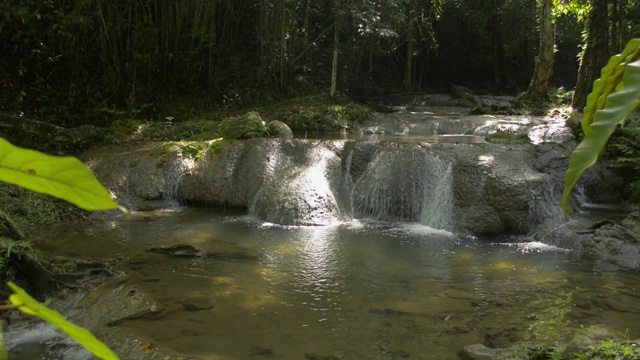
x: 300, y: 191
x: 347, y: 184
x: 173, y: 173
x: 406, y: 184
x: 545, y: 208
x: 437, y: 209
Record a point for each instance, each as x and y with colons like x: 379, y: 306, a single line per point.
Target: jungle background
x: 75, y: 62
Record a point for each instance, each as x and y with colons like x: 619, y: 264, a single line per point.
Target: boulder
x: 245, y: 126
x: 464, y: 95
x: 278, y: 129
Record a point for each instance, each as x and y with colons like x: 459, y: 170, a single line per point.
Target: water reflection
x: 358, y: 290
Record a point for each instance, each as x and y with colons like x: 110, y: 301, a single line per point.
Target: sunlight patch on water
x: 359, y: 290
x: 420, y: 229
x: 534, y: 246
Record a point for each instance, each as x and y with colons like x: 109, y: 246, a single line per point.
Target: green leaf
x: 64, y: 177
x: 614, y: 96
x: 27, y: 304
x: 4, y: 354
x: 609, y: 81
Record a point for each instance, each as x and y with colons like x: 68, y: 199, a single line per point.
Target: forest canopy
x: 73, y: 56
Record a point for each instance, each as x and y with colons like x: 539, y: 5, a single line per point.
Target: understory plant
x: 614, y: 96
x: 69, y: 179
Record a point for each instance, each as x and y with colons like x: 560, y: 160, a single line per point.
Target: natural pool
x: 355, y: 290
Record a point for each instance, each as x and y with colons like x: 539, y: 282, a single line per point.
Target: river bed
x: 354, y: 290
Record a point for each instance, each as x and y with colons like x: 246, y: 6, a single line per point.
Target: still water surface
x: 357, y: 290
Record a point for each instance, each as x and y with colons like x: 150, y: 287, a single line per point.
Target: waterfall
x: 301, y: 189
x: 173, y: 172
x: 347, y: 185
x: 545, y: 209
x: 405, y: 183
x: 437, y: 209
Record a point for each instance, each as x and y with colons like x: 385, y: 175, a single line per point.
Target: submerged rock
x: 180, y: 249
x: 215, y: 249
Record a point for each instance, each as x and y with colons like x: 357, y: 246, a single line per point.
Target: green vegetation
x: 604, y: 350
x: 318, y: 114
x: 551, y: 320
x: 190, y: 149
x: 244, y: 126
x: 624, y: 145
x: 9, y: 247
x: 66, y: 178
x: 217, y: 145
x: 614, y: 96
x: 194, y: 150
x: 611, y: 349
x: 27, y: 208
x: 28, y: 305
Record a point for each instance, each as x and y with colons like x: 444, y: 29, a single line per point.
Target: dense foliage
x: 79, y: 56
x: 615, y: 95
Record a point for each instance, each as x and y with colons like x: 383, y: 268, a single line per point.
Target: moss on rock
x: 217, y: 145
x: 244, y: 126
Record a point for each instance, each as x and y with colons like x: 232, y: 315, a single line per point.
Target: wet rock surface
x: 501, y: 185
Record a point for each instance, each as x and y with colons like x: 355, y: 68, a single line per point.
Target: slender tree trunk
x: 283, y: 42
x: 596, y: 53
x: 408, y: 69
x: 307, y: 7
x: 496, y: 45
x: 544, y: 63
x: 334, y: 64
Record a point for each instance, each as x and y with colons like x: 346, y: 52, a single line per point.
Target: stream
x: 360, y: 289
x: 383, y: 273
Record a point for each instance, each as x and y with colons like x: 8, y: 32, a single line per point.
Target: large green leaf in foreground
x: 614, y: 96
x: 64, y: 177
x: 28, y: 305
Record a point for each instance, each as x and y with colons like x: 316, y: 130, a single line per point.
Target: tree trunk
x: 307, y: 57
x: 408, y: 69
x: 283, y: 43
x: 497, y: 46
x: 334, y: 64
x: 596, y: 53
x: 544, y: 63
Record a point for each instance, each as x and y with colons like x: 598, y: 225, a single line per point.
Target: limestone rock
x: 245, y: 126
x: 477, y: 352
x: 278, y: 129
x: 464, y: 95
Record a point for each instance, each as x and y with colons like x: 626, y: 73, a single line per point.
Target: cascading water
x: 437, y: 209
x: 173, y: 173
x: 301, y: 189
x: 405, y: 183
x: 545, y: 211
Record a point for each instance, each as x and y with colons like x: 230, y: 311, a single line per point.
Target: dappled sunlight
x: 355, y: 286
x: 319, y: 257
x: 486, y: 160
x: 222, y: 280
x: 499, y: 266
x: 463, y: 256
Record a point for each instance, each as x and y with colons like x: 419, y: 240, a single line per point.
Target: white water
x: 407, y: 184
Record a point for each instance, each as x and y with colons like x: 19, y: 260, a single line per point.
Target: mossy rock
x: 505, y: 137
x: 279, y: 129
x: 194, y: 150
x: 244, y: 126
x: 217, y: 145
